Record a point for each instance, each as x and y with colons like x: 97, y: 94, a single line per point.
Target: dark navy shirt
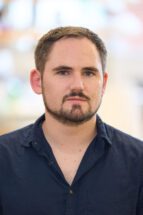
x: 109, y: 180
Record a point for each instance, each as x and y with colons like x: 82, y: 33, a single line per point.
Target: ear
x: 35, y: 81
x: 105, y: 78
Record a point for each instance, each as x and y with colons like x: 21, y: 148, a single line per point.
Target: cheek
x: 96, y: 95
x: 97, y: 90
x: 52, y: 95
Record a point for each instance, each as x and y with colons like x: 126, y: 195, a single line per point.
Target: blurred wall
x: 119, y: 23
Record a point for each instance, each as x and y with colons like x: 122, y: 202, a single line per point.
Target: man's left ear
x: 105, y: 78
x: 35, y: 81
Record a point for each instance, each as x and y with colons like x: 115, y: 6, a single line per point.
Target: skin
x: 73, y: 66
x: 77, y: 70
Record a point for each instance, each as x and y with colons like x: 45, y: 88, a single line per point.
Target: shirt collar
x: 31, y: 133
x: 102, y: 130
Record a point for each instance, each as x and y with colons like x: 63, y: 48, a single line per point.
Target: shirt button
x: 71, y: 192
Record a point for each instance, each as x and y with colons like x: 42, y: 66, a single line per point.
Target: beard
x: 73, y: 117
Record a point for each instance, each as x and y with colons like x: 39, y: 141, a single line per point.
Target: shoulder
x: 17, y: 136
x: 123, y: 140
x: 21, y: 137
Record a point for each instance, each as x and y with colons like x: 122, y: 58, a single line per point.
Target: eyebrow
x: 64, y: 67
x: 91, y: 68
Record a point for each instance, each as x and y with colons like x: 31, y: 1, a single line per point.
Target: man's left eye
x: 89, y: 73
x: 63, y: 72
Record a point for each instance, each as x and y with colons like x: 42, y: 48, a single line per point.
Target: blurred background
x: 119, y: 23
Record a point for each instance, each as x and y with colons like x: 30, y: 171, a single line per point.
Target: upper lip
x: 77, y: 98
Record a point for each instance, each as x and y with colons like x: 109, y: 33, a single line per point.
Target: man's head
x: 47, y: 42
x: 70, y: 74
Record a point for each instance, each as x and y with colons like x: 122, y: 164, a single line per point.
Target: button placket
x: 70, y: 202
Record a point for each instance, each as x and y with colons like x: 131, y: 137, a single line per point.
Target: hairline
x: 66, y: 37
x: 46, y: 43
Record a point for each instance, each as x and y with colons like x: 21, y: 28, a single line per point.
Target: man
x: 69, y: 162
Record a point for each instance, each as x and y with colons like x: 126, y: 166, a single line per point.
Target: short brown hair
x: 47, y: 41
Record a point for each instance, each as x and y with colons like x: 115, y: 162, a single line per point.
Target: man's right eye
x: 63, y: 72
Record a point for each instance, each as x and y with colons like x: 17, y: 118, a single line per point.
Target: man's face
x: 73, y: 82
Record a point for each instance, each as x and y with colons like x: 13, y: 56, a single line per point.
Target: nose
x: 77, y: 82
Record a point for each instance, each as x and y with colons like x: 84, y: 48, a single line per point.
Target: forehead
x: 73, y: 46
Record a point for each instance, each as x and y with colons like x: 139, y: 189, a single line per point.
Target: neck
x: 70, y: 137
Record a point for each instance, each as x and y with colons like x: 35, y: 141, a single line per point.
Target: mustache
x: 79, y: 94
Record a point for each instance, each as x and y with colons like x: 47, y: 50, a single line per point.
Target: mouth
x: 76, y: 99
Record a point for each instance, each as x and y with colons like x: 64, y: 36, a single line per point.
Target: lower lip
x: 75, y: 100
